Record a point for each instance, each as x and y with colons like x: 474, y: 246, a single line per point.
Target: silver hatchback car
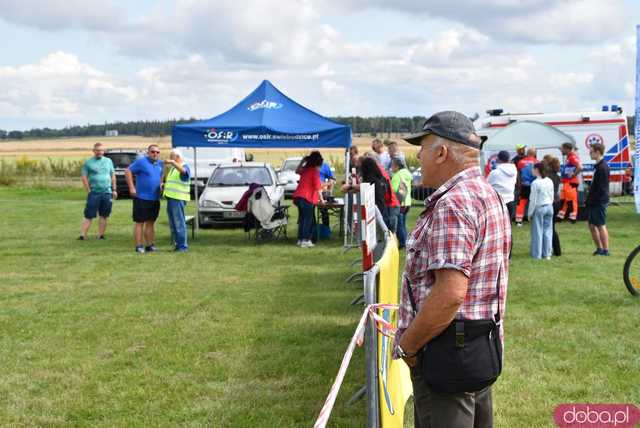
x: 287, y: 175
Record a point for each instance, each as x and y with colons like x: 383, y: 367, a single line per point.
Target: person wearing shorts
x: 147, y: 171
x: 99, y: 180
x: 597, y: 201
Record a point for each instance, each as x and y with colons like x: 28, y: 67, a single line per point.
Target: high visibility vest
x: 175, y: 188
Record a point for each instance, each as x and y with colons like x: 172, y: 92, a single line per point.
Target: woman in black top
x: 553, y: 166
x: 371, y: 174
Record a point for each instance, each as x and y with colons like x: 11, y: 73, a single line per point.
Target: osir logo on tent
x: 214, y: 135
x: 264, y: 104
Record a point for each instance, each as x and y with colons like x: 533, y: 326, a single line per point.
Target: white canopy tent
x: 544, y: 138
x: 527, y: 132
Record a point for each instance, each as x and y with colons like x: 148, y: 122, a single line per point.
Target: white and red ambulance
x: 608, y: 127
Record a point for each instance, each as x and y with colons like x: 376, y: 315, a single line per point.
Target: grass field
x: 237, y: 335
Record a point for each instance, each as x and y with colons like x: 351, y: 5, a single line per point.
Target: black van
x: 121, y: 159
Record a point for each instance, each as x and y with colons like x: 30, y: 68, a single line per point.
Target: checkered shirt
x: 465, y: 227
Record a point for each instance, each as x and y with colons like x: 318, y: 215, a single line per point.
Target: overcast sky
x: 66, y: 62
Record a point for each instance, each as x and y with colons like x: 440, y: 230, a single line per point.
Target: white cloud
x: 574, y: 21
x: 331, y: 88
x: 59, y: 86
x: 526, y: 61
x: 564, y: 80
x: 616, y: 53
x: 199, y: 58
x: 441, y: 49
x: 613, y: 66
x: 524, y: 21
x: 257, y: 32
x: 324, y: 70
x: 57, y: 15
x: 629, y: 89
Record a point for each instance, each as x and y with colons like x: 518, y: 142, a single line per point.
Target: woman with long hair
x: 541, y: 213
x: 307, y: 196
x: 370, y: 173
x: 553, y: 168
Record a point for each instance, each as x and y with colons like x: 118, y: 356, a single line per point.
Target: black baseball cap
x: 450, y: 125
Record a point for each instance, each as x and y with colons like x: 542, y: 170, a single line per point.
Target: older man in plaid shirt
x: 456, y: 256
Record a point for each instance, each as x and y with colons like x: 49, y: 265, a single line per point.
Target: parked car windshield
x: 290, y: 165
x: 233, y: 176
x: 122, y: 160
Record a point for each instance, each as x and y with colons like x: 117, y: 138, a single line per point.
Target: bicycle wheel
x: 631, y: 272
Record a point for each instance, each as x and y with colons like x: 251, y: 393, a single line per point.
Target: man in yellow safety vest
x: 176, y: 192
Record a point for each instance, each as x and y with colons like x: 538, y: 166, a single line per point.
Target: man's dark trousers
x: 460, y: 410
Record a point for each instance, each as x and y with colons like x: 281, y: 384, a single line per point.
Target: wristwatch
x: 402, y: 354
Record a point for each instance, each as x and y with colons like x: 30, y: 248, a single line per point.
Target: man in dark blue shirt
x: 597, y: 201
x: 326, y: 174
x: 146, y: 197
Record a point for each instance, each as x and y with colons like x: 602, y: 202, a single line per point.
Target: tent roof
x: 527, y: 132
x: 265, y: 118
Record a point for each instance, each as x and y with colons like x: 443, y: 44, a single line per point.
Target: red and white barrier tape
x: 386, y: 328
x: 357, y: 339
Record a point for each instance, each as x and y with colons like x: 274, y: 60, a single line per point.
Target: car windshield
x: 290, y: 165
x: 236, y: 176
x: 122, y: 160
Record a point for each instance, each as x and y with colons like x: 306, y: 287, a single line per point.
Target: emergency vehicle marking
x: 617, y: 151
x: 618, y: 155
x: 593, y: 139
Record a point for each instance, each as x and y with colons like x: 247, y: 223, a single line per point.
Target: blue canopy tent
x: 266, y: 118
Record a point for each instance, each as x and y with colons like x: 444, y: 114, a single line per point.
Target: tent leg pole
x: 195, y: 190
x: 345, y: 220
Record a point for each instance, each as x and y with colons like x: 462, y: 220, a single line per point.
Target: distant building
x: 111, y: 133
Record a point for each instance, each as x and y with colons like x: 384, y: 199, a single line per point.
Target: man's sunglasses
x: 154, y: 151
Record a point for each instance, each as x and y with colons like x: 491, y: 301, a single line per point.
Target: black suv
x: 121, y: 160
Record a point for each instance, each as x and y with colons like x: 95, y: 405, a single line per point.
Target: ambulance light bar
x: 614, y: 108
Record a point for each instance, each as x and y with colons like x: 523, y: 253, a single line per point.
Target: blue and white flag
x: 636, y: 169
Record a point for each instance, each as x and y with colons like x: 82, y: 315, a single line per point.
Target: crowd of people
x: 454, y: 283
x: 545, y: 191
x: 384, y: 167
x: 539, y: 191
x: 149, y: 179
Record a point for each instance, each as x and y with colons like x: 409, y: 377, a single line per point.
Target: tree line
x: 145, y: 128
x: 157, y: 128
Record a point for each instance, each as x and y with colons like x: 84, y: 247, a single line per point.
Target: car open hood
x: 224, y: 193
